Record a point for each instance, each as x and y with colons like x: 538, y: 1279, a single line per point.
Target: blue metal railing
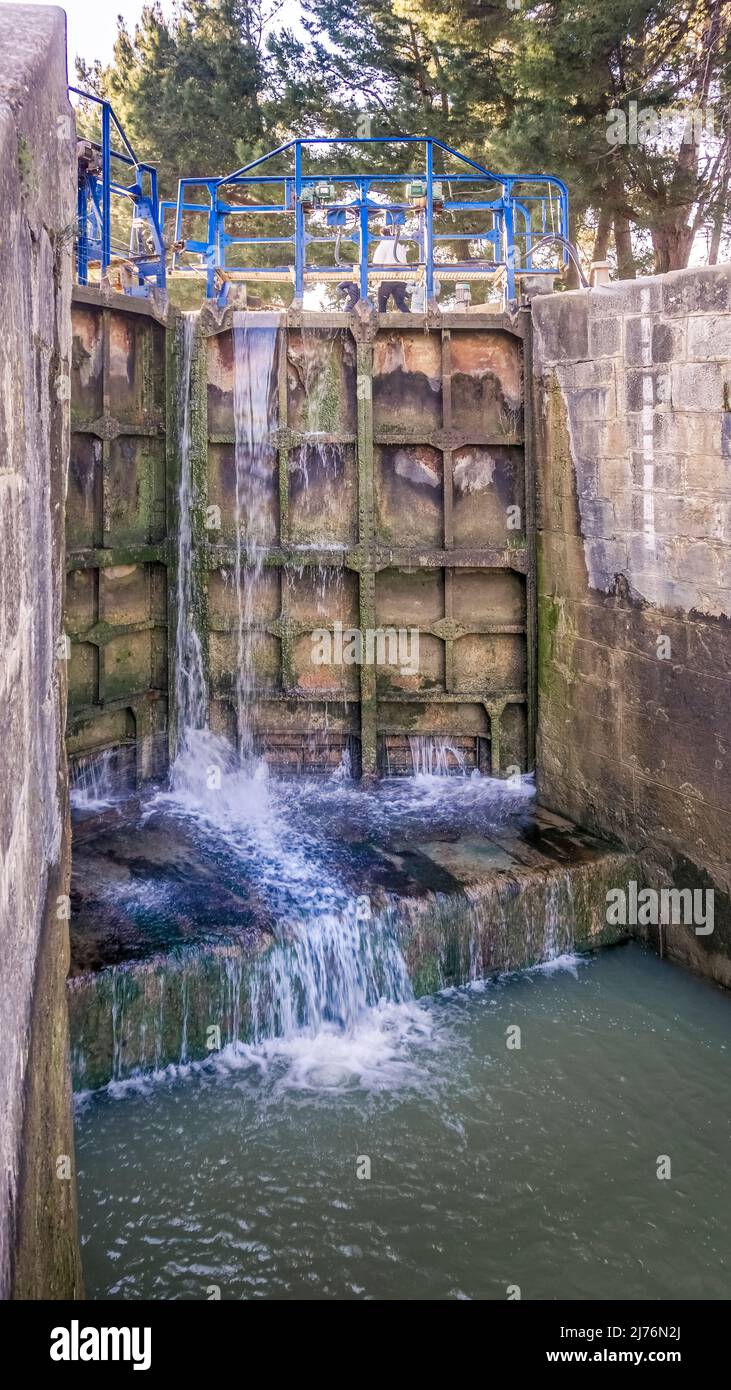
x: 97, y: 190
x: 524, y: 214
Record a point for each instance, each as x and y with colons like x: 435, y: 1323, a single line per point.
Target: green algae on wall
x: 172, y: 1009
x: 511, y: 922
x: 179, y: 1008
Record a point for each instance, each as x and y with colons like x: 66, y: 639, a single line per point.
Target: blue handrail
x: 94, y: 206
x: 525, y: 213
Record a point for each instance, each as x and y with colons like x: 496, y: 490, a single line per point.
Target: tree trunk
x: 626, y: 268
x: 715, y: 245
x: 720, y: 209
x: 602, y: 234
x: 572, y: 272
x: 672, y: 243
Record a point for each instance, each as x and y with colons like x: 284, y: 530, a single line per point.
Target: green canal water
x: 490, y: 1166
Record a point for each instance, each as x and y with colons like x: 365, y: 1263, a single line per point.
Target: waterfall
x: 94, y: 783
x: 330, y: 958
x: 254, y: 357
x: 327, y: 974
x: 190, y: 680
x: 330, y: 962
x: 435, y: 756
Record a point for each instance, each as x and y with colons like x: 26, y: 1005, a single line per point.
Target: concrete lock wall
x: 413, y: 507
x: 632, y: 387
x: 38, y: 1246
x: 407, y: 510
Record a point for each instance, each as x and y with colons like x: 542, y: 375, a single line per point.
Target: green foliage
x: 188, y: 90
x: 530, y: 87
x: 526, y: 88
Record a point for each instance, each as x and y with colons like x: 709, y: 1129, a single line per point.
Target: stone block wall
x: 38, y: 1245
x: 632, y: 416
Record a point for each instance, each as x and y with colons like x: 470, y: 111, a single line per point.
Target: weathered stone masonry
x: 38, y: 1244
x: 630, y: 433
x: 632, y: 405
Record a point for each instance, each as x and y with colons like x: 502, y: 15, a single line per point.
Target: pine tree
x: 537, y: 86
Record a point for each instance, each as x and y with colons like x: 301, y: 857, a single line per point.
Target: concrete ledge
x: 150, y: 308
x: 145, y: 1015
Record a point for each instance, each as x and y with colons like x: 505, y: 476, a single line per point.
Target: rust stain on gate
x: 411, y: 508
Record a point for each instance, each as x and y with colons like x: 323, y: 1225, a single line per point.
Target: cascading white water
x: 326, y: 975
x: 435, y: 756
x: 190, y: 680
x: 330, y: 963
x: 331, y: 960
x: 254, y: 356
x: 93, y: 785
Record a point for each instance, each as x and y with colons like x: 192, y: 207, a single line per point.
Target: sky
x: 92, y: 25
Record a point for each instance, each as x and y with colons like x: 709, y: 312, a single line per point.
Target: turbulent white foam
x: 332, y: 960
x: 381, y: 1052
x: 384, y: 1051
x: 568, y: 961
x: 81, y: 800
x: 388, y: 1048
x: 492, y: 792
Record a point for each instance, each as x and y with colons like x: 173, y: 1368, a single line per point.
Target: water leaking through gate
x: 394, y: 492
x: 254, y: 353
x: 351, y: 480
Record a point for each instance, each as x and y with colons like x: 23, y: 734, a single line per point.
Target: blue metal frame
x: 94, y: 206
x: 518, y: 221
